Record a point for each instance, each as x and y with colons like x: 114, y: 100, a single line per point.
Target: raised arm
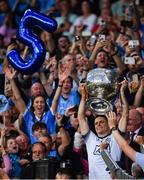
x: 48, y: 40
x: 130, y: 152
x: 98, y: 46
x: 65, y: 138
x: 119, y: 63
x: 84, y: 128
x: 6, y: 161
x: 123, y: 121
x: 19, y: 102
x: 139, y: 94
x: 110, y: 48
x: 45, y: 84
x: 62, y: 76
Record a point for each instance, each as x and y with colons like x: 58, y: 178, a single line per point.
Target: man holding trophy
x: 101, y: 86
x: 97, y: 166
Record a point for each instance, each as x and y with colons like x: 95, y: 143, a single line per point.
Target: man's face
x: 47, y: 141
x: 38, y: 133
x: 36, y: 89
x: 66, y: 88
x: 134, y: 121
x: 68, y: 59
x: 38, y: 152
x: 22, y: 142
x: 63, y: 44
x: 101, y: 126
x: 101, y: 59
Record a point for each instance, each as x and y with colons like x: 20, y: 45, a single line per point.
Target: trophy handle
x: 99, y: 106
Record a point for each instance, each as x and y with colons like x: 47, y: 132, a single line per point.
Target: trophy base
x: 99, y: 106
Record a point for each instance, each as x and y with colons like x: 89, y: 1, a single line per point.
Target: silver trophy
x: 102, y: 87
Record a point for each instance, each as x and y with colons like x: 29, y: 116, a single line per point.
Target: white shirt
x: 89, y: 22
x: 97, y: 166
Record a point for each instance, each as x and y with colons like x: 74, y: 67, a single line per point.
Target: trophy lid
x: 102, y: 83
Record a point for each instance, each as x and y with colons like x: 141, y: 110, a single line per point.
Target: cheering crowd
x: 45, y: 115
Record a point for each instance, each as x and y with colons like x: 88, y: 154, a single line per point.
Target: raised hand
x: 112, y: 119
x: 123, y: 84
x: 83, y: 91
x: 133, y: 86
x: 10, y: 72
x: 62, y: 75
x: 58, y: 119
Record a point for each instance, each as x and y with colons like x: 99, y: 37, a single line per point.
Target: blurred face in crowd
x: 74, y: 120
x: 39, y: 132
x: 101, y: 126
x: 4, y: 7
x: 79, y: 60
x: 64, y: 6
x: 67, y: 86
x: 101, y: 59
x: 12, y: 146
x: 38, y: 152
x: 105, y: 4
x: 37, y: 89
x: 105, y: 14
x: 134, y: 120
x: 39, y: 105
x: 63, y: 44
x: 22, y: 142
x: 85, y: 7
x: 47, y: 141
x: 68, y: 59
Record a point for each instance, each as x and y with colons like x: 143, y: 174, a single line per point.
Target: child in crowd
x: 39, y: 129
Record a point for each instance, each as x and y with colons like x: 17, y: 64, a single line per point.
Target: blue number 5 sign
x: 25, y: 35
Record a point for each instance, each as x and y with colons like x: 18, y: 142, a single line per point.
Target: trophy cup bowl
x: 102, y: 87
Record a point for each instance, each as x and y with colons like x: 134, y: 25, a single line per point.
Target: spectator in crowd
x: 134, y: 128
x: 130, y: 152
x: 66, y: 19
x: 24, y: 146
x: 87, y: 20
x: 38, y: 151
x: 12, y: 149
x: 47, y: 140
x: 39, y: 129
